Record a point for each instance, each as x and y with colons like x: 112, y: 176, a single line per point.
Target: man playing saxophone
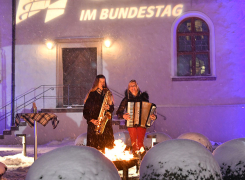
x: 95, y: 106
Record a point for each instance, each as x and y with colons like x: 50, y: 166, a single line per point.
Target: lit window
x: 193, y: 51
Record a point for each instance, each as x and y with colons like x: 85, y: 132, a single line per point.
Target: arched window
x: 193, y: 48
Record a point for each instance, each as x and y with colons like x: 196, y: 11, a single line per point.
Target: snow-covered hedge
x: 179, y: 159
x: 231, y: 158
x: 73, y: 162
x: 160, y: 137
x: 198, y: 138
x: 81, y: 140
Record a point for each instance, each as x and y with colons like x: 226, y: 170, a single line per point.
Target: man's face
x: 133, y: 88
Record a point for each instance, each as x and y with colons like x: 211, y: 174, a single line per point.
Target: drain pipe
x: 13, y: 61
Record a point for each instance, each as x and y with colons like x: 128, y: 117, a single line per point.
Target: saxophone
x: 103, y: 116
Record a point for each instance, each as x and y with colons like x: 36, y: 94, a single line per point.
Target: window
x: 193, y: 48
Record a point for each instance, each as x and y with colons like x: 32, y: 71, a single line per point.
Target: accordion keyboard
x: 130, y: 123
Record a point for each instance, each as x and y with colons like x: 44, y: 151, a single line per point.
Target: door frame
x: 74, y: 43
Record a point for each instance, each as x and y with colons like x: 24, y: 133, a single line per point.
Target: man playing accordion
x: 136, y: 132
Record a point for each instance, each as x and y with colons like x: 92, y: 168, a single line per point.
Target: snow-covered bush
x: 73, y: 163
x: 160, y: 137
x: 179, y: 159
x: 198, y: 138
x: 231, y: 158
x: 81, y: 140
x: 124, y: 136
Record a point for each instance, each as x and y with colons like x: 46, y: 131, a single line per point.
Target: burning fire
x: 118, y: 152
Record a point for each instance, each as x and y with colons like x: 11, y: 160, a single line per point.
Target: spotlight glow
x: 49, y: 44
x: 107, y: 43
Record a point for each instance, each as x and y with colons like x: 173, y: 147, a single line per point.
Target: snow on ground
x: 179, y: 159
x: 19, y: 165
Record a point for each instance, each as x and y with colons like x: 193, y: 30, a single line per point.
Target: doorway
x: 79, y: 71
x: 78, y: 62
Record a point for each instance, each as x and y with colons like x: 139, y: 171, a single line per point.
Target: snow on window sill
x: 194, y: 78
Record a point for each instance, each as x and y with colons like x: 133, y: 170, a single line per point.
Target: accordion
x: 140, y: 113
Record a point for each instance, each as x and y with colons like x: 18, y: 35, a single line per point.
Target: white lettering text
x: 104, y: 14
x: 123, y: 13
x: 132, y: 12
x: 150, y: 10
x: 167, y: 11
x: 177, y: 10
x: 111, y: 16
x: 90, y: 16
x: 141, y: 13
x: 159, y: 8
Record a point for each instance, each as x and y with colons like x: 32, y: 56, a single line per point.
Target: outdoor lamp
x: 107, y: 43
x: 50, y: 44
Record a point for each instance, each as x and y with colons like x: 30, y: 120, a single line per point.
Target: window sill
x: 194, y: 78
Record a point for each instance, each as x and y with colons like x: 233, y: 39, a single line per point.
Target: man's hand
x: 153, y: 117
x: 126, y: 116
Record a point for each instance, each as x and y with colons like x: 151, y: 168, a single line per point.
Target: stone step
x: 1, y: 136
x: 14, y: 128
x: 22, y: 123
x: 7, y: 132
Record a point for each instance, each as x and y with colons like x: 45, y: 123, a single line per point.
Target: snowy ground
x: 18, y: 165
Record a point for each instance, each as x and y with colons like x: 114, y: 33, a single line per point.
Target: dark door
x: 79, y: 71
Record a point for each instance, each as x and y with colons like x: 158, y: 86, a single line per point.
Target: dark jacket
x: 91, y: 110
x: 129, y: 97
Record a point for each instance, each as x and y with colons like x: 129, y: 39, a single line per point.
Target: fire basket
x: 125, y: 165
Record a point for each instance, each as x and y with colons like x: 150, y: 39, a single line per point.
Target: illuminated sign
x: 28, y: 8
x: 132, y: 12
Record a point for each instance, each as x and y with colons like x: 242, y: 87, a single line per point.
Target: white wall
x: 5, y: 59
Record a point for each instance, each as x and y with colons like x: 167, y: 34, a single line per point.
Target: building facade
x: 187, y: 54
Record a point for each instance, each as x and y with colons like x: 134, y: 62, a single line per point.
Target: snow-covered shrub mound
x: 73, y: 163
x: 179, y: 159
x: 3, y: 169
x: 81, y: 140
x: 231, y: 158
x: 160, y: 137
x: 124, y: 136
x: 198, y: 138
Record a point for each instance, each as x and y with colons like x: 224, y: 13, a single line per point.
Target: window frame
x: 177, y: 22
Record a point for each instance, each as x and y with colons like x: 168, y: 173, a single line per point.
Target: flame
x: 118, y: 152
x: 141, y: 150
